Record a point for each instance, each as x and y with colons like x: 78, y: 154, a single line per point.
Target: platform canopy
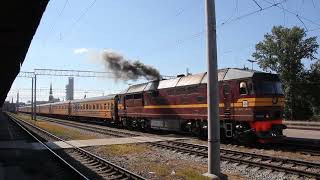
x: 19, y: 22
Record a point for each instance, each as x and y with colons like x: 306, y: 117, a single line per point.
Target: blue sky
x: 167, y: 34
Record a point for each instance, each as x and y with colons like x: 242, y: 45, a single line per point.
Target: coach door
x: 69, y: 108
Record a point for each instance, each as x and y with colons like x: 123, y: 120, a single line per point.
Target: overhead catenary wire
x: 228, y: 21
x: 84, y: 12
x: 295, y: 14
x: 53, y: 24
x: 257, y: 4
x: 253, y: 12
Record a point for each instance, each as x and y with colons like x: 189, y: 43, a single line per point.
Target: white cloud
x: 80, y: 50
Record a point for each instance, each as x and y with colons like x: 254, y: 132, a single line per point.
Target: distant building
x: 50, y: 94
x: 69, y: 89
x: 51, y: 98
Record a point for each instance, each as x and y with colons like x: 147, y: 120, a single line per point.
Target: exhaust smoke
x: 128, y: 70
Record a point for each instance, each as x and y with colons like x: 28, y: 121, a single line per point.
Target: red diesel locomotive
x: 251, y: 105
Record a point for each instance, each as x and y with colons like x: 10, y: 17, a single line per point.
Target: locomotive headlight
x: 267, y: 116
x: 239, y: 126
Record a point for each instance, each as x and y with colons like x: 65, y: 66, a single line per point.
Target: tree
x: 312, y: 87
x: 282, y: 52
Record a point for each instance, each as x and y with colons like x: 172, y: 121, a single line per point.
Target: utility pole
x: 17, y: 103
x: 212, y: 94
x: 32, y: 99
x: 35, y: 97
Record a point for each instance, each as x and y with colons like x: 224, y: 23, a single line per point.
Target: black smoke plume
x: 128, y: 70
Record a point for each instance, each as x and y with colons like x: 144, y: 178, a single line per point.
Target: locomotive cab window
x: 243, y: 89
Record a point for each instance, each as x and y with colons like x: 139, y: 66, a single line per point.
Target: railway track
x: 290, y: 166
x: 46, y: 147
x: 287, y: 145
x: 101, y: 167
x: 93, y: 128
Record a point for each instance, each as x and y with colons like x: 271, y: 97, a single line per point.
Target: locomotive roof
x: 201, y: 78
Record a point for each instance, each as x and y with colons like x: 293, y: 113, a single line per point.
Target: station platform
x: 102, y: 142
x: 304, y: 134
x: 18, y: 158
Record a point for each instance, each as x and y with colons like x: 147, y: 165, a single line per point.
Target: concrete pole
x: 32, y: 98
x: 35, y: 97
x: 212, y: 91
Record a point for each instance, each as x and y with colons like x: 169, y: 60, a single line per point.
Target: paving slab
x: 18, y: 159
x: 102, y: 142
x: 305, y: 134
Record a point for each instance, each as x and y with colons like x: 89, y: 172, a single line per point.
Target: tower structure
x: 69, y: 89
x: 51, y: 99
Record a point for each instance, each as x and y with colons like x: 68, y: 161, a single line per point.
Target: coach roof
x: 108, y: 97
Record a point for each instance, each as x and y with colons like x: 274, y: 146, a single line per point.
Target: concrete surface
x: 101, y: 142
x: 299, y: 133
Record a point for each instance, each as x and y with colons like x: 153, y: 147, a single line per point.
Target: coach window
x: 128, y: 97
x: 108, y: 106
x: 105, y: 106
x: 243, y: 88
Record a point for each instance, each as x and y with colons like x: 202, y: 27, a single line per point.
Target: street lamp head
x: 252, y: 61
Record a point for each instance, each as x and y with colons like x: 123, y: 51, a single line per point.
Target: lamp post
x: 252, y: 61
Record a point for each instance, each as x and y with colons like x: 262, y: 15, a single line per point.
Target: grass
x: 161, y: 169
x: 125, y: 149
x: 24, y: 117
x: 190, y: 173
x: 56, y: 129
x: 63, y: 132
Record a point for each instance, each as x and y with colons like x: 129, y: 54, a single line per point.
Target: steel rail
x: 47, y: 148
x: 226, y: 154
x: 128, y: 174
x: 235, y: 156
